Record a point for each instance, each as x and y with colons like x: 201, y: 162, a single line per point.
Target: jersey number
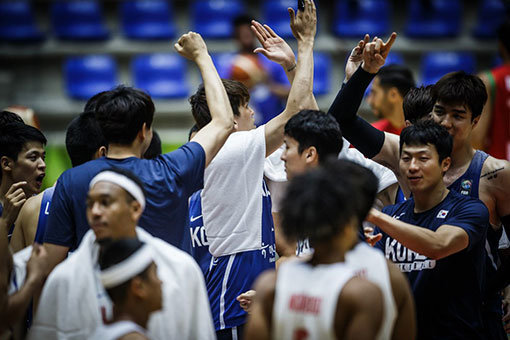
x: 300, y: 334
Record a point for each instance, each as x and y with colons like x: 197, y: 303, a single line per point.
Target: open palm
x: 273, y: 47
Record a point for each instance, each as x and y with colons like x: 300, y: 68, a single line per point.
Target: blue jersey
x: 169, y: 180
x: 44, y: 212
x: 231, y: 275
x: 448, y: 292
x: 199, y: 243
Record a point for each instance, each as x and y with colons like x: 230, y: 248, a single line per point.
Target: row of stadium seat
x: 164, y: 75
x: 150, y: 20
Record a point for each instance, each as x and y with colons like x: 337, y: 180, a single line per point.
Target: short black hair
x: 460, y: 88
x: 318, y: 129
x: 91, y: 104
x: 83, y: 138
x: 114, y: 253
x: 428, y: 132
x: 122, y: 112
x: 7, y: 117
x: 321, y: 202
x: 397, y: 76
x: 237, y: 95
x: 154, y: 149
x: 131, y: 176
x: 504, y: 34
x: 418, y: 103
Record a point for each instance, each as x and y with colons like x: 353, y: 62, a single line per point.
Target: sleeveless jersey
x: 199, y: 243
x: 306, y: 298
x: 499, y: 133
x: 371, y: 265
x: 43, y: 215
x: 116, y: 330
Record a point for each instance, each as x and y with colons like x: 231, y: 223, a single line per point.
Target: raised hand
x: 355, y: 58
x: 375, y: 53
x: 304, y: 24
x: 370, y: 238
x: 273, y: 47
x: 191, y: 46
x: 14, y: 200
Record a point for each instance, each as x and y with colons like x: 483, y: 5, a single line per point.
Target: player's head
x: 115, y: 202
x: 418, y: 104
x: 7, y: 117
x: 389, y: 88
x: 154, y: 149
x: 425, y: 150
x: 311, y: 137
x: 504, y: 39
x: 22, y: 156
x: 129, y: 275
x: 84, y: 139
x: 321, y: 204
x: 239, y: 98
x: 243, y: 34
x: 125, y: 114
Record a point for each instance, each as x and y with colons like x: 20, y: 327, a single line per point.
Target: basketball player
x: 129, y: 275
x: 437, y: 237
x: 321, y: 298
x: 125, y: 116
x: 115, y: 202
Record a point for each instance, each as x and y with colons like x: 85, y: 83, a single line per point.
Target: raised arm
x: 212, y: 136
x: 303, y: 27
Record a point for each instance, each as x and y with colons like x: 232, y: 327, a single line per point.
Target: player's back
x: 306, y: 299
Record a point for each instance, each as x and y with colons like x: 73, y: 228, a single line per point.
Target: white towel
x: 69, y: 306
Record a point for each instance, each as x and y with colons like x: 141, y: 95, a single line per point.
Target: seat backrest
x: 213, y: 18
x: 437, y: 64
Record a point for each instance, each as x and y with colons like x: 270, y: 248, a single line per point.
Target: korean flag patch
x: 442, y: 214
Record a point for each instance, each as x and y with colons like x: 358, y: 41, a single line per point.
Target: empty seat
x: 147, y: 19
x: 17, y: 22
x: 213, y: 18
x: 275, y: 14
x: 433, y: 18
x: 223, y: 62
x: 354, y: 18
x: 161, y: 75
x: 321, y: 73
x: 88, y: 75
x: 491, y: 14
x: 78, y: 20
x: 394, y: 58
x: 437, y: 64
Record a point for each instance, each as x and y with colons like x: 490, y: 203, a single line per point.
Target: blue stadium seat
x: 223, y: 62
x: 275, y: 14
x: 354, y: 18
x: 147, y: 20
x: 161, y: 75
x: 491, y: 14
x: 321, y: 73
x: 213, y: 18
x: 394, y: 58
x: 433, y: 18
x: 17, y: 22
x: 88, y: 75
x: 437, y: 64
x: 78, y: 20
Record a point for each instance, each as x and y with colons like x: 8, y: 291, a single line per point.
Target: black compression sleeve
x: 367, y: 139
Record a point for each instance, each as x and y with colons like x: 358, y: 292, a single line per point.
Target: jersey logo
x: 193, y: 219
x: 47, y: 209
x: 465, y: 187
x: 442, y: 214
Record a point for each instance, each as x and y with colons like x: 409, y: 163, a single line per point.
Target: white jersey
x: 371, y: 264
x: 116, y: 330
x: 306, y: 298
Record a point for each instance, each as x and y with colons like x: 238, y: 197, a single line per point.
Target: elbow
x: 437, y: 251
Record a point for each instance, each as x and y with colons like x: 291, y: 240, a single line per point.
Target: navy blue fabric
x: 170, y: 179
x: 44, y: 212
x: 199, y: 243
x: 448, y: 292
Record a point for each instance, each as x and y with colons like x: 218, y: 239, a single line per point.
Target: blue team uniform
x: 199, y: 243
x: 169, y: 180
x: 231, y: 275
x: 44, y: 212
x: 448, y: 292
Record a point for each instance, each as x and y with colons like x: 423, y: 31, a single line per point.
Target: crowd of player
x: 278, y: 231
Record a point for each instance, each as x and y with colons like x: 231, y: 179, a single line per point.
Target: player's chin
x: 101, y: 233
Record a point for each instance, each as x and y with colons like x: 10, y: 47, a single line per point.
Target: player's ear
x: 407, y: 123
x: 6, y: 163
x: 311, y: 155
x: 475, y: 121
x: 445, y: 164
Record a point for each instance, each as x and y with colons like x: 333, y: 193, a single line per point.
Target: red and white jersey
x: 499, y: 133
x: 370, y: 264
x: 306, y: 298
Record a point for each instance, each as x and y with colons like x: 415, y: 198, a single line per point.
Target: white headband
x: 124, y: 182
x: 127, y: 269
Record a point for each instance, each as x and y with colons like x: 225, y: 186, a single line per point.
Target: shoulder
x: 32, y: 205
x: 464, y: 203
x: 496, y: 173
x: 392, y: 209
x: 360, y: 294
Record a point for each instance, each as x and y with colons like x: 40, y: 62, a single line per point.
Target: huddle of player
x: 120, y: 232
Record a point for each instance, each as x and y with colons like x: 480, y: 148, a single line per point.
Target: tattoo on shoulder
x: 492, y: 174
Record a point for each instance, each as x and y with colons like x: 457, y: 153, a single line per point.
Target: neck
x: 461, y: 156
x: 396, y: 118
x: 118, y: 151
x: 134, y: 314
x: 329, y: 252
x: 428, y: 199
